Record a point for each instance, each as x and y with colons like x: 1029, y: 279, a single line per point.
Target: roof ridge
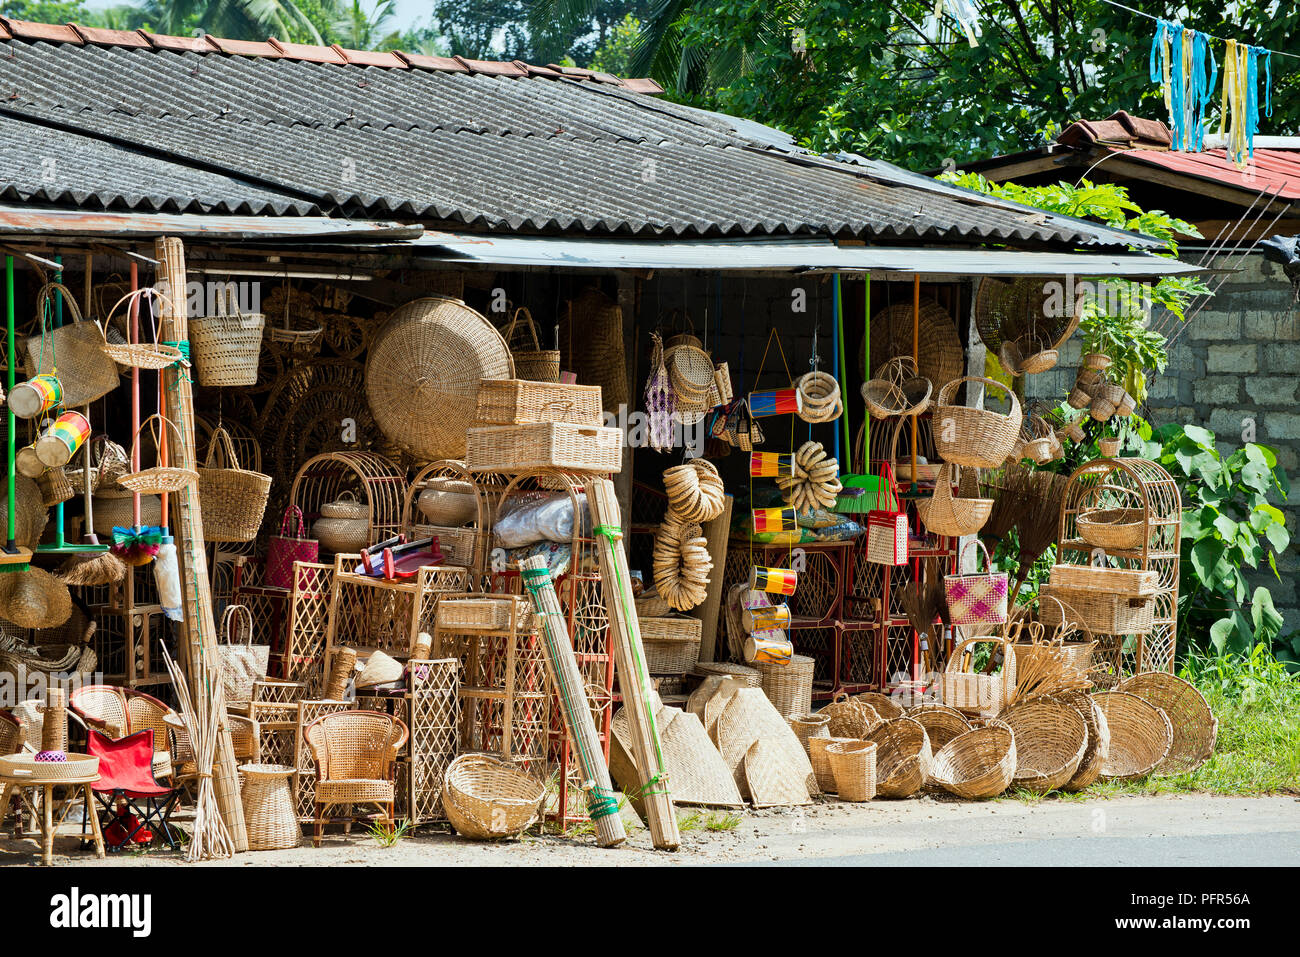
x: 274, y: 49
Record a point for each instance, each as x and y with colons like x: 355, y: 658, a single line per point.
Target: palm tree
x: 357, y: 30
x: 237, y: 19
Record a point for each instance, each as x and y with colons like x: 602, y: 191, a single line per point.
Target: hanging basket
x: 232, y: 500
x: 141, y: 355
x: 535, y: 364
x: 225, y: 348
x: 298, y: 338
x: 108, y: 463
x: 946, y: 514
x: 75, y: 349
x: 897, y: 389
x: 161, y: 479
x: 975, y: 437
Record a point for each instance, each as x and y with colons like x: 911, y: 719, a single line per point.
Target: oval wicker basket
x: 902, y: 757
x: 77, y: 767
x: 946, y: 514
x: 1112, y: 527
x: 1140, y: 735
x: 1051, y: 738
x: 140, y: 355
x: 448, y: 501
x: 160, y: 479
x: 232, y: 500
x: 941, y: 724
x: 897, y: 388
x: 486, y: 798
x: 973, y: 436
x: 977, y: 764
x: 808, y: 726
x: 1194, y: 726
x: 853, y: 765
x: 850, y: 718
x: 1098, y: 749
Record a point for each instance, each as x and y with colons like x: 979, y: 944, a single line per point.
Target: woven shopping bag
x: 290, y: 546
x: 241, y: 665
x: 887, y: 523
x: 979, y: 598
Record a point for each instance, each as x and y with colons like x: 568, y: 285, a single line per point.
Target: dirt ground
x: 1178, y: 830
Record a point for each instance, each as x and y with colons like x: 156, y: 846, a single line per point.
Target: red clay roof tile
x: 423, y: 61
x: 311, y: 53
x: 112, y: 38
x: 49, y: 32
x: 371, y: 58
x: 164, y: 41
x: 258, y: 48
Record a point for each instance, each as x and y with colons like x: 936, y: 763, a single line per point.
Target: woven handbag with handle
x: 290, y: 546
x: 241, y: 665
x: 979, y: 598
x: 531, y: 360
x: 74, y: 351
x: 887, y: 527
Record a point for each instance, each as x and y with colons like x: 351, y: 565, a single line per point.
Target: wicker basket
x: 897, y: 389
x: 1194, y: 726
x: 520, y: 402
x: 161, y: 479
x: 486, y: 798
x: 973, y: 693
x: 535, y: 363
x: 1120, y: 581
x: 1140, y: 735
x: 232, y: 500
x: 449, y: 502
x: 672, y: 645
x: 227, y: 347
x: 269, y: 813
x: 113, y: 507
x: 975, y: 437
x: 1098, y: 748
x: 509, y: 449
x: 1102, y: 613
x: 108, y: 462
x: 809, y: 726
x: 881, y: 704
x: 941, y: 724
x: 978, y: 764
x: 726, y: 669
x: 77, y: 767
x: 1112, y: 527
x: 945, y: 514
x: 821, y: 761
x: 902, y: 757
x: 55, y: 487
x: 484, y: 614
x: 139, y: 355
x: 459, y: 546
x: 853, y: 765
x: 423, y: 371
x: 789, y: 686
x: 1051, y: 738
x: 85, y: 372
x: 850, y: 717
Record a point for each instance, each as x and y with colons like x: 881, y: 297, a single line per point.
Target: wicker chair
x: 11, y: 734
x: 356, y: 760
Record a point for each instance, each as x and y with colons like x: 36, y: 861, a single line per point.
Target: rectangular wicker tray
x: 561, y: 445
x: 483, y: 614
x: 523, y: 402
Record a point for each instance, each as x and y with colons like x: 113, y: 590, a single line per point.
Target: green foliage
x: 359, y: 28
x: 388, y: 833
x: 1230, y: 524
x: 615, y: 54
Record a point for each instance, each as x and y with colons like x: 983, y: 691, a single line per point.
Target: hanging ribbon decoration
x: 1182, y: 63
x: 964, y: 12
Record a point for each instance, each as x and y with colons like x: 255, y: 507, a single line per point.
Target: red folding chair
x: 133, y: 802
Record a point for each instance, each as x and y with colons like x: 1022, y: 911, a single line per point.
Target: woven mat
x: 772, y: 778
x: 695, y: 769
x: 748, y: 717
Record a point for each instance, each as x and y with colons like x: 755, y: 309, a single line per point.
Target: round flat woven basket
x: 160, y: 479
x: 939, y: 351
x: 1051, y: 738
x: 978, y: 764
x: 486, y: 798
x: 1098, y: 749
x: 423, y: 371
x: 1194, y: 726
x: 77, y: 767
x: 1140, y: 735
x: 902, y: 757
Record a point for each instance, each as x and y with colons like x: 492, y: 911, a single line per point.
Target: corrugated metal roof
x: 557, y: 252
x: 1269, y: 169
x: 532, y: 153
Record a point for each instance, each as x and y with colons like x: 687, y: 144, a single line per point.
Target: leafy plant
x: 722, y: 821
x: 1229, y: 525
x: 387, y: 833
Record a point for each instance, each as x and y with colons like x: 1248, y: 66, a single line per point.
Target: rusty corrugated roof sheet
x: 1269, y: 169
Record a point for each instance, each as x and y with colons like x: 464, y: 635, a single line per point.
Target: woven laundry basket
x: 789, y: 686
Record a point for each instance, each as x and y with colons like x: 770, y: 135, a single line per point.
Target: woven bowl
x: 1112, y: 527
x: 487, y: 799
x: 977, y: 764
x: 448, y: 502
x: 1140, y: 735
x: 1051, y: 738
x: 1098, y: 749
x: 1194, y: 726
x: 902, y: 757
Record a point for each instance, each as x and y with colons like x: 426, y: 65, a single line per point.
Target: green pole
x: 11, y: 545
x: 844, y: 375
x: 58, y: 321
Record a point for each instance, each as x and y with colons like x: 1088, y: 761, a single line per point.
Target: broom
x: 923, y: 601
x: 1009, y: 491
x: 1039, y: 520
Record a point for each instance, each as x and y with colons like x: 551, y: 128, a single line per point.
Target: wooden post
x: 629, y: 656
x: 602, y: 805
x: 202, y: 655
x: 716, y: 533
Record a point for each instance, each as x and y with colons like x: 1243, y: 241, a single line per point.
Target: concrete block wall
x: 1234, y: 367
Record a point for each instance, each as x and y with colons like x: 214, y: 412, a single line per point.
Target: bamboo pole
x: 602, y: 804
x: 200, y: 628
x: 629, y: 655
x: 716, y: 533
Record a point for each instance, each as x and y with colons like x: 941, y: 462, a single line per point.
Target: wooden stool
x: 19, y: 772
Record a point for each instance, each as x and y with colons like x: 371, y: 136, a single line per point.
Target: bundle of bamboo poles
x: 210, y: 839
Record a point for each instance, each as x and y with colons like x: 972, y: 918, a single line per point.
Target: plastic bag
x: 545, y: 520
x: 167, y: 574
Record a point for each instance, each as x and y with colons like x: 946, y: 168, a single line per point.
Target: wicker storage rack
x: 1121, y: 581
x: 523, y: 402
x: 672, y: 645
x: 510, y: 449
x: 1102, y: 613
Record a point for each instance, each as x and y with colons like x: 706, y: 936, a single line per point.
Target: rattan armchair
x: 11, y: 734
x: 118, y: 712
x: 356, y: 760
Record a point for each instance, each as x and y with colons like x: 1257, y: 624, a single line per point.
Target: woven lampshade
x: 423, y: 370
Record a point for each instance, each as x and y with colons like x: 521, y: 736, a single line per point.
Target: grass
x: 1257, y: 702
x: 386, y: 833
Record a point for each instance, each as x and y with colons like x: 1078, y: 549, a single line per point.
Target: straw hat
x: 33, y: 598
x: 380, y: 669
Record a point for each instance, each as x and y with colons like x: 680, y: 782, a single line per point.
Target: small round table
x: 79, y: 772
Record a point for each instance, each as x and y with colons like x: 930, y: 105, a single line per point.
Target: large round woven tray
x: 423, y: 370
x: 1194, y: 725
x: 78, y: 768
x: 1140, y: 735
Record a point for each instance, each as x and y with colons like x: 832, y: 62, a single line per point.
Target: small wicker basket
x: 978, y: 764
x: 902, y: 757
x: 853, y: 765
x: 486, y: 798
x: 671, y: 644
x: 161, y: 479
